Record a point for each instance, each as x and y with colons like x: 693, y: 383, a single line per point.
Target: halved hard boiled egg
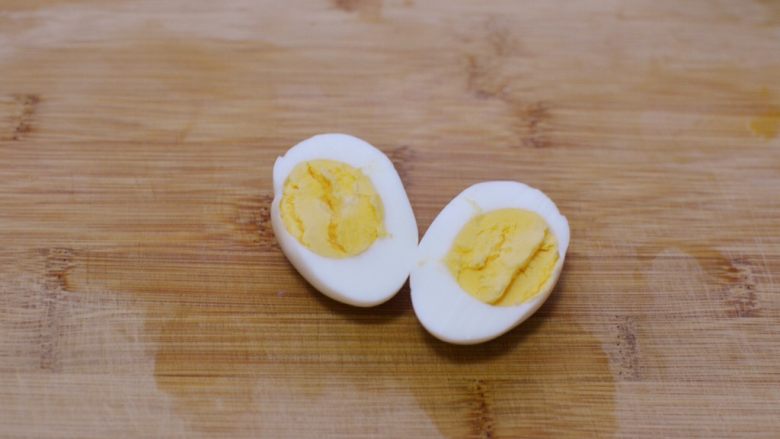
x: 342, y: 218
x: 488, y: 261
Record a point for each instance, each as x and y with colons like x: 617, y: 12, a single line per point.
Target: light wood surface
x: 142, y: 293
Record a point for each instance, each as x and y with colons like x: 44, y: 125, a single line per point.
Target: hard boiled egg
x: 342, y: 218
x: 488, y: 261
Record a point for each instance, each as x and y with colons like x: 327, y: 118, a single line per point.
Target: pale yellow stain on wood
x: 766, y: 125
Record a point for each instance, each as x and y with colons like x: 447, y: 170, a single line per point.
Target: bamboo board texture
x: 142, y: 293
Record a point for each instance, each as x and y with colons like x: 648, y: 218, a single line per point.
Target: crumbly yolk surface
x: 332, y: 208
x: 503, y: 257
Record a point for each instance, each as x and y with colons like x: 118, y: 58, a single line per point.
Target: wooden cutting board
x: 142, y: 293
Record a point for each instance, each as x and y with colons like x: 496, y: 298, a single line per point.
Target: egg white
x: 442, y: 306
x: 375, y: 275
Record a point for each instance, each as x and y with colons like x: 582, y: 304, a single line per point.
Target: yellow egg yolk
x: 503, y: 257
x: 332, y: 208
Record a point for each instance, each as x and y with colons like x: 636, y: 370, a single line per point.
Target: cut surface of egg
x: 343, y: 219
x: 488, y: 261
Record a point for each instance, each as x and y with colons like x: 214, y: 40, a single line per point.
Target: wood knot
x: 532, y: 124
x: 485, y: 63
x: 740, y: 294
x: 22, y: 116
x: 369, y: 10
x: 402, y: 157
x: 627, y: 352
x: 347, y: 5
x: 499, y: 37
x: 481, y: 415
x: 481, y: 78
x: 253, y: 219
x: 58, y: 262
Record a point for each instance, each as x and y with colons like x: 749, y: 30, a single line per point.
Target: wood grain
x: 142, y: 293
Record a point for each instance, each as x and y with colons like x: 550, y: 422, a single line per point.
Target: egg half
x: 488, y: 261
x: 342, y: 217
